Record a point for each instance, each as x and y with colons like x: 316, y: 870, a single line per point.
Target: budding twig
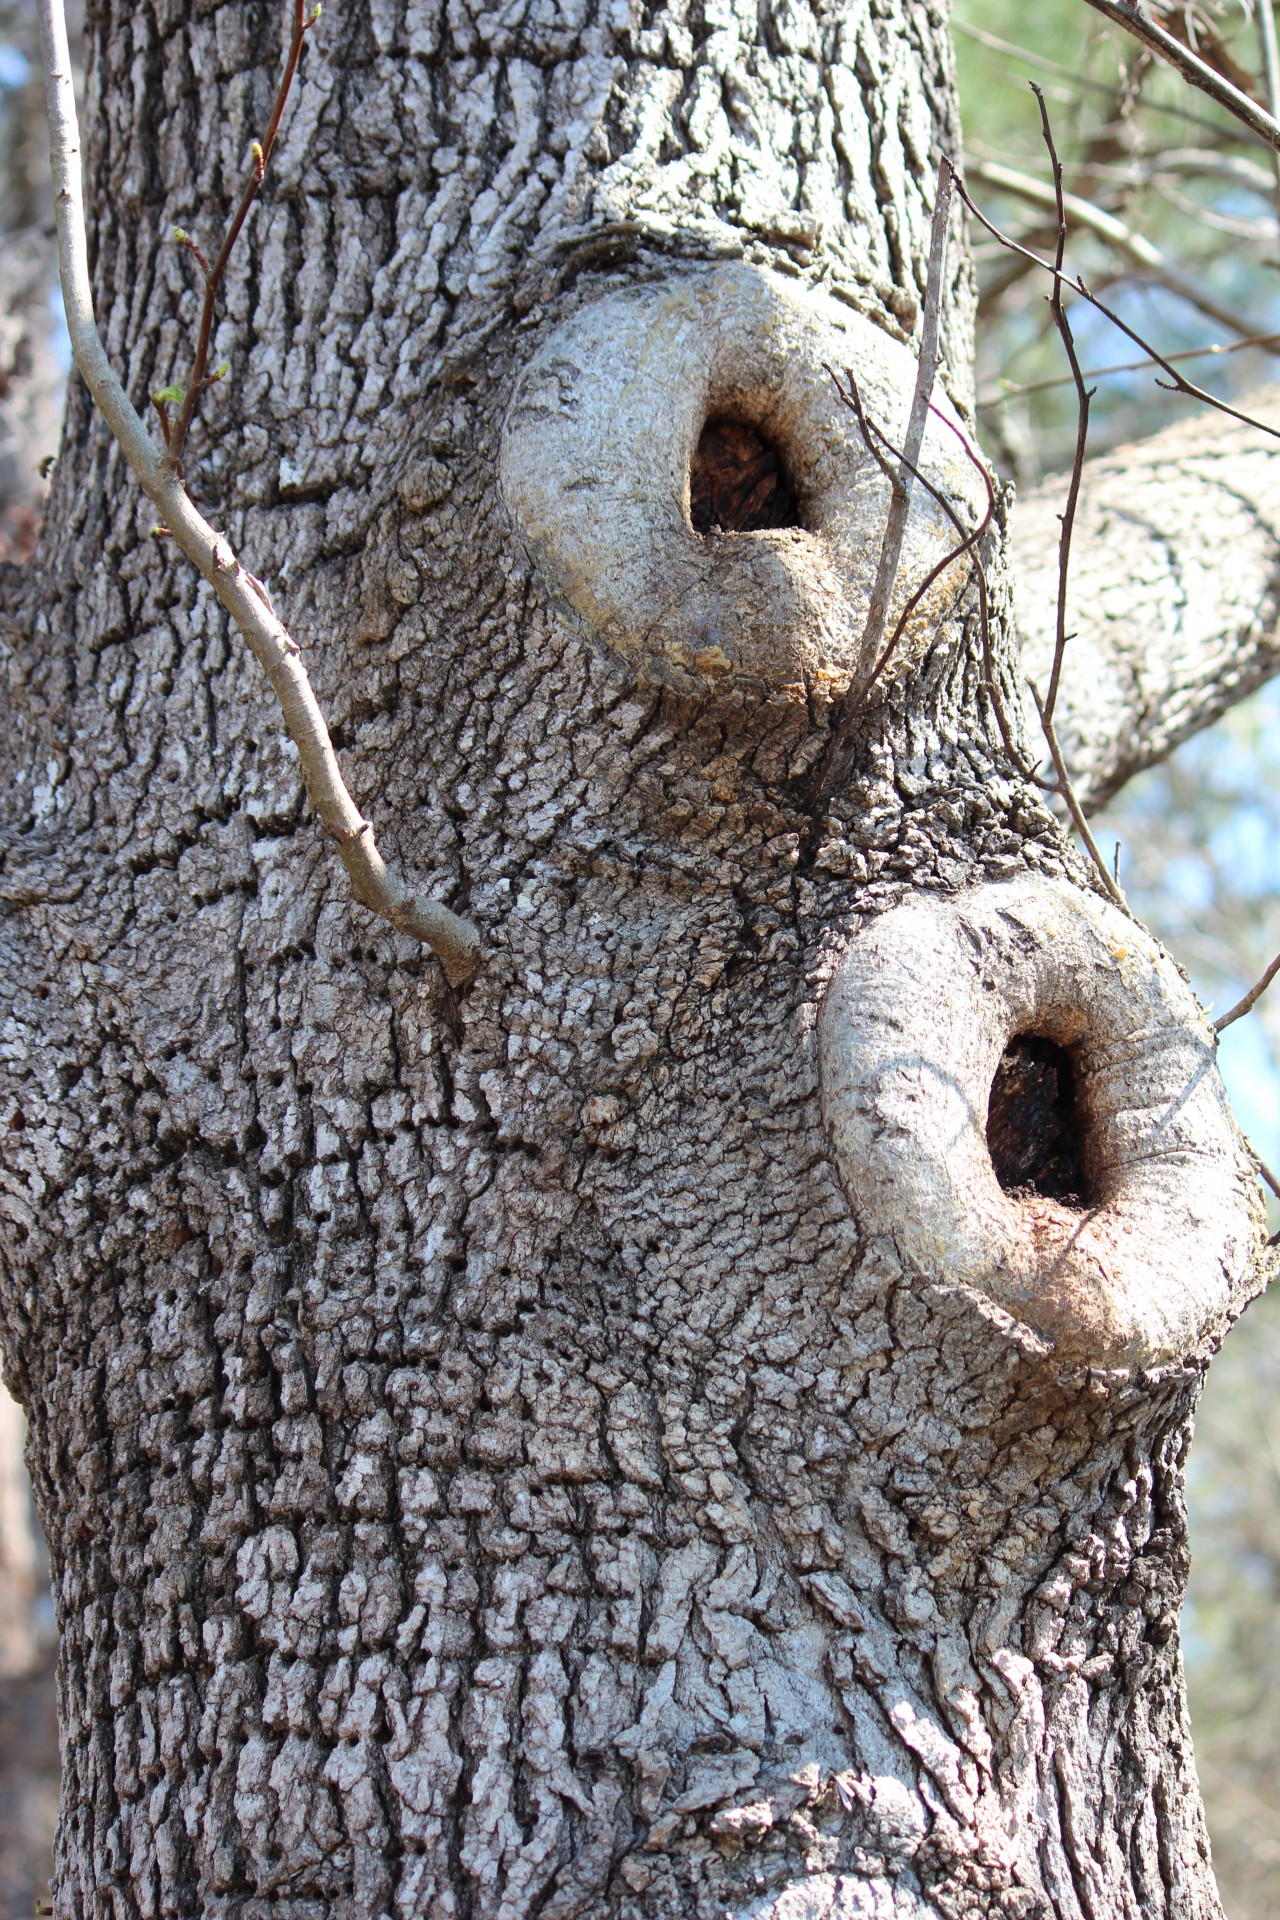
x: 374, y: 882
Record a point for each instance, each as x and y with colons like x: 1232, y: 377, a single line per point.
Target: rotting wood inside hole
x: 738, y: 482
x: 1033, y: 1124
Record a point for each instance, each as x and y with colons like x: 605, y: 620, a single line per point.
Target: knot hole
x: 738, y: 481
x: 1034, y: 1133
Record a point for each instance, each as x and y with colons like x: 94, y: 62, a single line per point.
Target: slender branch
x: 1137, y: 21
x: 1083, y: 396
x: 872, y: 434
x: 1251, y: 998
x: 1271, y: 1181
x: 888, y: 458
x: 1172, y: 109
x: 1015, y: 392
x: 1074, y: 808
x: 196, y: 380
x: 1209, y: 217
x: 1271, y: 74
x: 374, y: 882
x: 1202, y: 163
x: 1176, y: 383
x: 926, y: 372
x: 1133, y: 246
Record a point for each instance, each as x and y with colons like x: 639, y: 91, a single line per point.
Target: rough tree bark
x: 602, y: 1441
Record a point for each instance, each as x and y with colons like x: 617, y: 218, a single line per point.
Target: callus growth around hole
x: 959, y: 1133
x: 664, y: 436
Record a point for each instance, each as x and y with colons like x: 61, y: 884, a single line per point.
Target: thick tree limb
x: 1174, y: 595
x: 375, y: 883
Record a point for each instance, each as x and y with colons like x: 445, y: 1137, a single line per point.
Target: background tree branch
x: 1165, y: 636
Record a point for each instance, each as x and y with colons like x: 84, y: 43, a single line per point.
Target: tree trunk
x: 614, y: 1439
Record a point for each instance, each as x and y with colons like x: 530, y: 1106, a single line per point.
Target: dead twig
x: 175, y: 432
x: 1134, y: 247
x: 926, y: 372
x: 1215, y: 86
x: 1083, y: 396
x: 1176, y: 383
x: 1250, y: 999
x: 374, y: 882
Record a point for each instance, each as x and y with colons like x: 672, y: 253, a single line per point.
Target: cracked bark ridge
x: 490, y: 1472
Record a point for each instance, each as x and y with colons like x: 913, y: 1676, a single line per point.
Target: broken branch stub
x: 601, y: 439
x: 1158, y: 1257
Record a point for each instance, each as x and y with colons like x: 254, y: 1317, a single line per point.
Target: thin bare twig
x: 872, y: 434
x: 197, y: 381
x: 1046, y: 706
x: 1015, y: 392
x: 1067, y: 791
x: 1134, y: 247
x: 1250, y: 999
x: 1172, y: 109
x: 1137, y: 21
x: 1083, y: 396
x: 887, y: 456
x: 1176, y: 382
x: 1203, y: 163
x: 1272, y: 1182
x: 1271, y: 74
x: 926, y: 372
x: 374, y: 882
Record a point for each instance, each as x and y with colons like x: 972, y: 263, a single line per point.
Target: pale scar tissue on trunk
x: 689, y: 1421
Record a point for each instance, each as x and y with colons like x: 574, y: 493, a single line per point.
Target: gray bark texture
x: 1175, y: 589
x: 600, y: 1441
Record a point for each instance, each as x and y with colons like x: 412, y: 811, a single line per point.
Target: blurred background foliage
x: 1179, y: 230
x: 1176, y: 222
